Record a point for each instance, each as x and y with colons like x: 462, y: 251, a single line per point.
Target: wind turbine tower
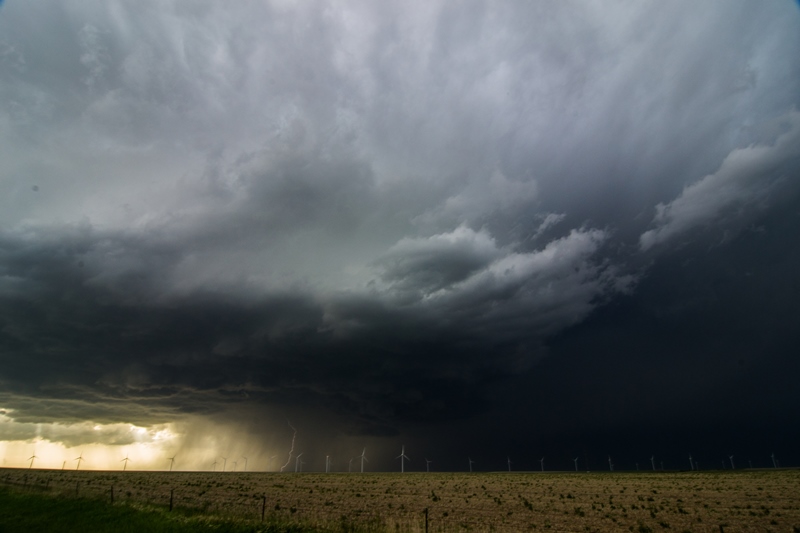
x: 508, y: 459
x: 427, y: 465
x: 214, y: 466
x: 363, y: 459
x: 541, y: 462
x: 653, y: 461
x: 576, y: 464
x: 234, y: 466
x: 297, y: 463
x: 402, y: 458
x: 224, y: 463
x: 774, y: 462
x: 471, y: 462
x: 126, y: 463
x: 31, y: 458
x: 171, y: 462
x: 733, y: 466
x: 245, y: 463
x: 327, y: 464
x: 610, y: 464
x: 79, y: 459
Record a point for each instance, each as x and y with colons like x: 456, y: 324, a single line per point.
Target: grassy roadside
x: 26, y: 511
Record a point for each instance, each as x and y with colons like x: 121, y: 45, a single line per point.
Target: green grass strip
x: 26, y: 512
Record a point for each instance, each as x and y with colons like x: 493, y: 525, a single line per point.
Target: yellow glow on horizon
x: 196, y: 444
x: 105, y: 448
x: 94, y: 456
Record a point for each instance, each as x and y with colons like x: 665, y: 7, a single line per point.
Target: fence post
x: 426, y: 519
x: 263, y: 506
x: 171, y: 495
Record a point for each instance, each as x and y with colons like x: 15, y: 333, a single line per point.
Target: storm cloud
x: 392, y: 215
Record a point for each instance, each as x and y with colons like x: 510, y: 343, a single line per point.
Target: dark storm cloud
x: 89, y: 310
x: 375, y: 211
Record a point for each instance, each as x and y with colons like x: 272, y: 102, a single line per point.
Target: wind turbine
x: 245, y: 463
x: 508, y: 460
x: 402, y: 458
x: 31, y: 458
x: 610, y: 464
x: 214, y: 466
x: 653, y: 461
x: 733, y: 466
x: 427, y: 465
x: 541, y: 462
x: 363, y: 458
x: 126, y: 462
x: 79, y: 459
x: 327, y: 464
x: 297, y: 463
x: 171, y: 462
x: 224, y: 463
x: 774, y: 462
x: 471, y: 462
x: 576, y: 464
x: 350, y: 465
x: 234, y: 466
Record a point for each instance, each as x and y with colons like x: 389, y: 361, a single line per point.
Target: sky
x: 475, y: 229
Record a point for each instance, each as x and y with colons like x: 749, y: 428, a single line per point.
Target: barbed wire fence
x: 240, y: 505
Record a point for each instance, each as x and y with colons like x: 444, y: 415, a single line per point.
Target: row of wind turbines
x: 694, y: 465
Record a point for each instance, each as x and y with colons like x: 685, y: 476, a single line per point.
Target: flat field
x: 762, y: 500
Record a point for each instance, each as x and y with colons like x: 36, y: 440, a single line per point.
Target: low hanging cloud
x: 428, y: 265
x: 744, y: 180
x: 464, y: 275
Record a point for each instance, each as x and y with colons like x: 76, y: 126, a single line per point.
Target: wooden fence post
x: 171, y: 495
x: 263, y: 506
x: 426, y: 519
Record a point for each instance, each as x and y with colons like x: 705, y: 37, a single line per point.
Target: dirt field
x: 767, y: 500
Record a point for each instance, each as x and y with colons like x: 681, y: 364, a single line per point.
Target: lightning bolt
x: 291, y: 450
